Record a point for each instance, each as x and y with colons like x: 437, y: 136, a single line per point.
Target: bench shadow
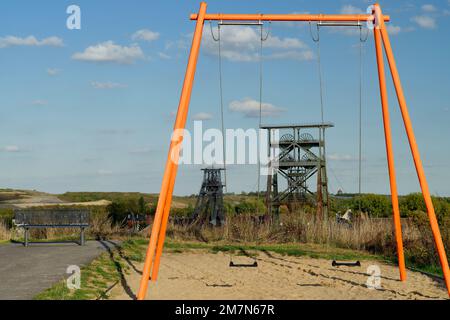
x: 118, y: 267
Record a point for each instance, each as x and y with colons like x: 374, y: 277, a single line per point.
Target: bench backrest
x: 52, y: 217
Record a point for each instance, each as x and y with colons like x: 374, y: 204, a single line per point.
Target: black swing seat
x: 346, y: 264
x: 243, y: 265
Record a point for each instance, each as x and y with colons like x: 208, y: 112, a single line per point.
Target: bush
x: 376, y: 206
x: 413, y: 203
x: 7, y: 215
x: 251, y: 206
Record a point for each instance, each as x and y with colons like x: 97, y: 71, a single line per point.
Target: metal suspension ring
x: 363, y: 39
x: 212, y: 32
x: 269, y: 30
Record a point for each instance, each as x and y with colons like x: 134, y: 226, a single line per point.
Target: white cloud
x: 107, y: 85
x: 103, y: 172
x: 284, y: 43
x: 110, y: 52
x: 11, y: 149
x: 291, y: 55
x: 349, y: 9
x: 429, y: 8
x: 30, y: 41
x: 39, y: 102
x: 202, y: 116
x: 145, y: 35
x: 426, y: 22
x: 250, y: 108
x: 53, y: 72
x: 243, y: 43
x: 393, y: 30
x: 164, y: 56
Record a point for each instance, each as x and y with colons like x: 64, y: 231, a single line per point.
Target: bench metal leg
x: 27, y: 231
x: 82, y: 239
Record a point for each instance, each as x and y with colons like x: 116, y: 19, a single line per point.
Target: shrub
x: 375, y: 205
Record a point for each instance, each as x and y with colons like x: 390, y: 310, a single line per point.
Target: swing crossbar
x: 340, y: 24
x: 240, y: 23
x: 289, y: 17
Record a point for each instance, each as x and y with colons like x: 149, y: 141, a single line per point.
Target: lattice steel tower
x: 300, y: 157
x: 209, y: 207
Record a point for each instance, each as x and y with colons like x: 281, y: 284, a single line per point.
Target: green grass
x: 108, y: 269
x: 307, y: 250
x: 290, y: 249
x: 111, y: 196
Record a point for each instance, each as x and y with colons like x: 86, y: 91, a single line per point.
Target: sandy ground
x: 207, y: 276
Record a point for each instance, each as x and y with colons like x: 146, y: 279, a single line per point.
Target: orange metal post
x: 416, y: 156
x: 171, y: 164
x: 166, y: 212
x: 162, y: 232
x: 165, y: 221
x: 390, y: 154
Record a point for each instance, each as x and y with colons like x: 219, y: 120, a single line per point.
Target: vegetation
x: 111, y: 196
x: 374, y: 236
x: 5, y: 232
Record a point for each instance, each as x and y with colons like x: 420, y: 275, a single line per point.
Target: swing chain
x: 315, y: 39
x: 212, y: 32
x: 361, y: 76
x: 269, y: 30
x: 363, y: 39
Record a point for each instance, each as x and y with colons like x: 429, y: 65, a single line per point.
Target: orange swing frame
x: 158, y: 233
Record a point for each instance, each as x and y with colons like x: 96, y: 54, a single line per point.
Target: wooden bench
x: 52, y: 218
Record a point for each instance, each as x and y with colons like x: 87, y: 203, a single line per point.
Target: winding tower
x: 209, y: 207
x: 299, y: 158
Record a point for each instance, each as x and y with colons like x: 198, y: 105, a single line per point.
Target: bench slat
x: 52, y: 217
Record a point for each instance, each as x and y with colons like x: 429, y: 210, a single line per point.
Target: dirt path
x: 39, y: 199
x: 201, y: 275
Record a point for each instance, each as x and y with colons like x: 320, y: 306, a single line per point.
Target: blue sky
x: 92, y: 109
